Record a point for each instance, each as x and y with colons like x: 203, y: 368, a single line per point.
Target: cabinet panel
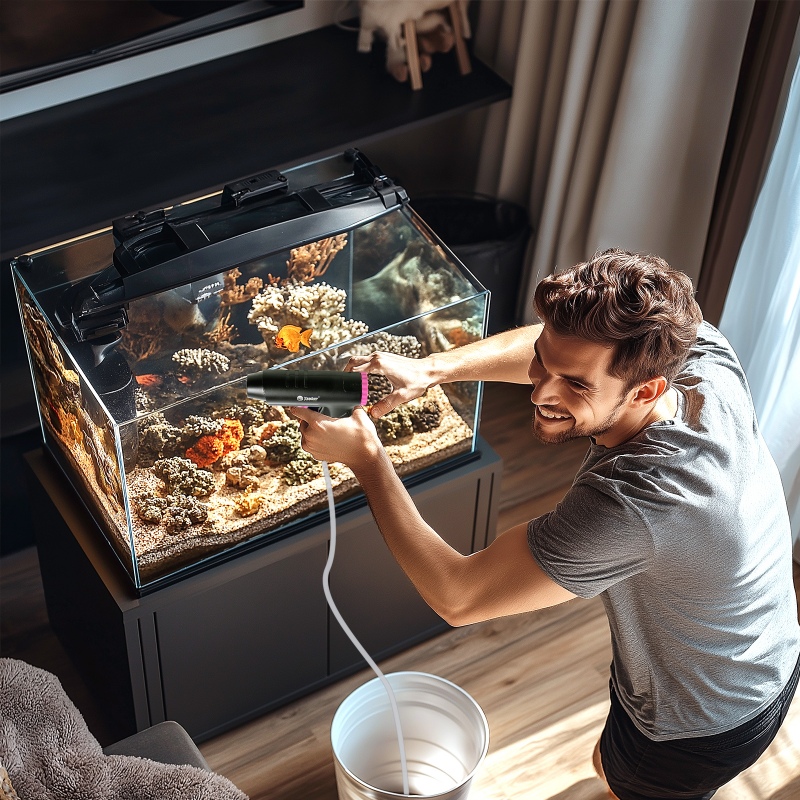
x: 237, y: 647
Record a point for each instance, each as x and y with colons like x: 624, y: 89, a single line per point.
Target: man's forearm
x: 503, y: 357
x: 500, y: 580
x: 428, y: 561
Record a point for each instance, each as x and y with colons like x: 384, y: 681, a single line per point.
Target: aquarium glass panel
x: 153, y: 424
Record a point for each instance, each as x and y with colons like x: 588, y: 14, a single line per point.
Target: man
x: 676, y: 518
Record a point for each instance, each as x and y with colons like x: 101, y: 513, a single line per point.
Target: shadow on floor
x: 587, y: 789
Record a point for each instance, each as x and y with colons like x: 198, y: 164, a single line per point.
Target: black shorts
x: 637, y: 768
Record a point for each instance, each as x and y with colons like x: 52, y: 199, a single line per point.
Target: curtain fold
x: 760, y: 98
x: 616, y: 128
x: 761, y: 316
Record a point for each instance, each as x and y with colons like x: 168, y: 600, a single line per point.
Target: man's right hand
x: 410, y: 377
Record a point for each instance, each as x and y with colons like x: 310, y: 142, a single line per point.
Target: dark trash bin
x: 490, y: 236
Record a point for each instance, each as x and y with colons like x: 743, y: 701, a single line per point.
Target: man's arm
x: 503, y: 579
x: 504, y: 357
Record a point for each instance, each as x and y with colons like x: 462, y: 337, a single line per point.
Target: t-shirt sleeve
x: 592, y: 540
x: 711, y: 345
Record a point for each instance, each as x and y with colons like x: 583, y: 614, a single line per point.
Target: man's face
x: 574, y: 393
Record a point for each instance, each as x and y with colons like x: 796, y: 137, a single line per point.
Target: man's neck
x: 666, y: 407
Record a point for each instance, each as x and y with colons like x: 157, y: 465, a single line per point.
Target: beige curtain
x: 769, y: 58
x: 617, y: 123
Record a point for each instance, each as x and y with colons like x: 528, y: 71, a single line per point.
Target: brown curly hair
x: 634, y: 302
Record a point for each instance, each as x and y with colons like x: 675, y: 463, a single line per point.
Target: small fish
x: 148, y: 380
x: 290, y: 337
x: 184, y: 379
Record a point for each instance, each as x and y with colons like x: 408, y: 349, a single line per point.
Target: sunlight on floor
x: 551, y: 762
x: 555, y: 764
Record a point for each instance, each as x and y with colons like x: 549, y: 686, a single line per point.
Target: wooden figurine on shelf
x: 414, y: 30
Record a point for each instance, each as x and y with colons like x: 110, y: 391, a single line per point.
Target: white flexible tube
x: 326, y: 588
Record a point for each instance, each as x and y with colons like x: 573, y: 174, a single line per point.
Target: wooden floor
x: 542, y: 678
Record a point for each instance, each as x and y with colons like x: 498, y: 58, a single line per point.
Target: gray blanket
x: 50, y: 755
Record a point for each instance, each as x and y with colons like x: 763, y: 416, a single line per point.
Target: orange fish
x: 148, y: 380
x: 290, y: 337
x: 184, y: 379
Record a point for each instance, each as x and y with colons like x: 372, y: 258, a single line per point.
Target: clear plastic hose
x: 350, y: 635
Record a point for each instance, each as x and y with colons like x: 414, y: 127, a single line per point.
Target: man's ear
x: 649, y: 391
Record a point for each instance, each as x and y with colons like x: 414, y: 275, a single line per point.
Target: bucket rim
x: 445, y: 792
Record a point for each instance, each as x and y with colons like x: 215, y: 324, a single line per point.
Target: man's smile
x: 551, y: 415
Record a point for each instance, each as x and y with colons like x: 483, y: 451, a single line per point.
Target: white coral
x: 202, y: 360
x: 318, y: 306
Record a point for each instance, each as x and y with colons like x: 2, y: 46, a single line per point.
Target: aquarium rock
x: 249, y: 503
x: 416, y: 416
x: 284, y: 443
x: 426, y: 414
x: 212, y: 446
x: 182, y: 476
x: 196, y: 426
x: 252, y: 414
x: 176, y: 512
x: 302, y: 470
x: 158, y: 438
x: 397, y: 424
x: 408, y: 346
x: 242, y: 477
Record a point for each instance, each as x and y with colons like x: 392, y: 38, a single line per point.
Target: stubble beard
x: 578, y: 431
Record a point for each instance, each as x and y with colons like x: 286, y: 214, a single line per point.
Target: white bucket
x: 445, y: 732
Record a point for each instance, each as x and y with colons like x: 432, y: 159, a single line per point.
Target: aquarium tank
x: 141, y: 339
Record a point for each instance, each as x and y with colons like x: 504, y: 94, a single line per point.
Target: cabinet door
x: 376, y: 599
x: 233, y: 649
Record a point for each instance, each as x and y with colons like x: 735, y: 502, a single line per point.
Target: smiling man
x: 676, y: 518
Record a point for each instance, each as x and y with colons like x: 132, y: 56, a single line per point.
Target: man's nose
x: 543, y: 390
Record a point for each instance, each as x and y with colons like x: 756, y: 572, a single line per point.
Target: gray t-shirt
x: 683, y: 531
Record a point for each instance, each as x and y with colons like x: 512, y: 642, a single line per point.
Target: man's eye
x: 577, y: 385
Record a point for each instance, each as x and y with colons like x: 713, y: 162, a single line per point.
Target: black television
x: 51, y: 38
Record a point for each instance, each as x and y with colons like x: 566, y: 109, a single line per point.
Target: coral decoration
x: 231, y: 434
x: 213, y: 446
x: 223, y: 330
x: 234, y: 293
x: 206, y: 451
x: 249, y: 502
x: 199, y: 360
x: 312, y: 260
x: 317, y: 306
x: 181, y: 476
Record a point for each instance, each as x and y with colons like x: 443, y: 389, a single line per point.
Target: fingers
x: 360, y: 413
x: 385, y: 405
x: 301, y: 413
x: 363, y: 363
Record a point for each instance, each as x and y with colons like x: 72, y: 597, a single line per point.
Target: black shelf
x: 76, y: 167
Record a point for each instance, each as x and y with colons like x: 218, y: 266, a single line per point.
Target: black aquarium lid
x: 256, y: 217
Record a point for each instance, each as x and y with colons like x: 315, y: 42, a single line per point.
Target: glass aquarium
x: 141, y: 339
